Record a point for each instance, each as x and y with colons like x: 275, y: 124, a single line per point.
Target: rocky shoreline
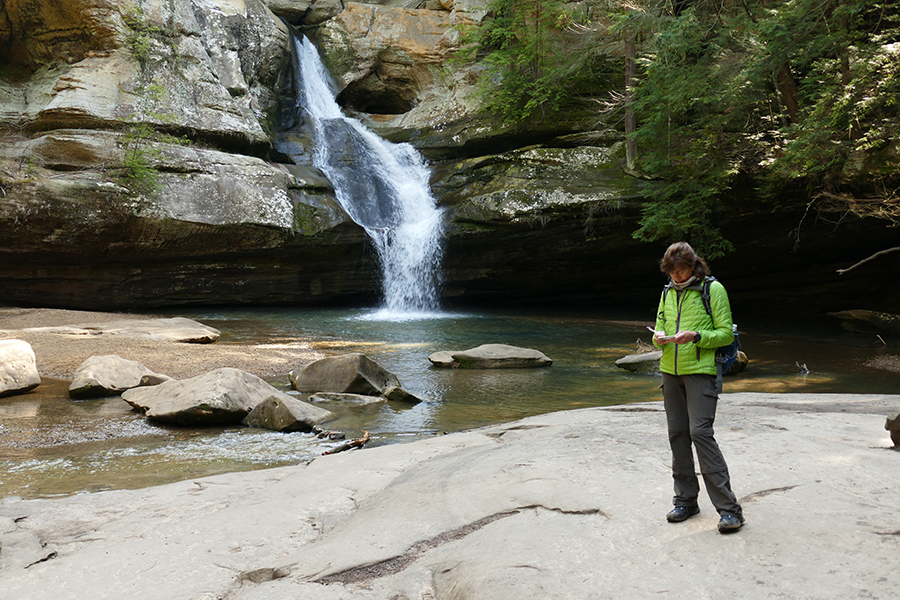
x: 59, y: 355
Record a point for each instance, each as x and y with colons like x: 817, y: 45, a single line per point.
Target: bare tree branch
x: 865, y: 260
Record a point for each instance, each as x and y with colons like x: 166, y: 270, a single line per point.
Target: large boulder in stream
x: 286, y: 414
x: 109, y: 375
x: 353, y: 373
x: 491, y: 356
x: 18, y: 368
x: 221, y: 397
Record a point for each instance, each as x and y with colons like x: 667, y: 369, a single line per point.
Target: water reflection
x: 51, y: 445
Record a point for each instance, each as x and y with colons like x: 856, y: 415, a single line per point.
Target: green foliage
x: 141, y: 34
x: 850, y: 82
x: 684, y: 136
x: 138, y: 141
x: 528, y: 70
x: 796, y: 93
x: 140, y: 174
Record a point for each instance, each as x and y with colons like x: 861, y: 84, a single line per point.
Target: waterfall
x: 382, y: 186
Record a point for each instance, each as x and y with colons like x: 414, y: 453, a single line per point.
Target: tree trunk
x: 789, y: 95
x: 630, y: 144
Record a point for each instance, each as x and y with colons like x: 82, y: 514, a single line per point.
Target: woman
x: 689, y: 336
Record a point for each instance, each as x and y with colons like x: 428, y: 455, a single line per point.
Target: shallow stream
x: 51, y: 445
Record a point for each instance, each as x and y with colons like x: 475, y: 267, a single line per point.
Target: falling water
x: 382, y: 186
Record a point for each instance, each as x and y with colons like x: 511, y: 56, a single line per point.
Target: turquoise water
x: 50, y: 445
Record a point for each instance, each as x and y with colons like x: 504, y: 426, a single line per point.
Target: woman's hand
x: 661, y: 338
x: 683, y: 337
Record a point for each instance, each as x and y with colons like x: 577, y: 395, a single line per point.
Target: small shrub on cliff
x: 140, y: 35
x: 140, y: 175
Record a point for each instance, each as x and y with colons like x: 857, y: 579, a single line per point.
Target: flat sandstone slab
x: 174, y: 329
x: 558, y: 506
x: 491, y: 356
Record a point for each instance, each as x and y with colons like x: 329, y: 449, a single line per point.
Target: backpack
x: 725, y: 355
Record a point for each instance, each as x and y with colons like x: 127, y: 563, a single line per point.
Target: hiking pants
x: 690, y: 402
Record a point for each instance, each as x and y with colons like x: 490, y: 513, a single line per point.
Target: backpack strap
x: 705, y: 295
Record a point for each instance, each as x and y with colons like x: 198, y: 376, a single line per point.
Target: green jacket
x: 679, y: 311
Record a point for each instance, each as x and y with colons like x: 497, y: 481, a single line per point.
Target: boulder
x: 393, y: 393
x: 444, y: 358
x: 109, y: 375
x: 353, y: 373
x: 221, y: 397
x: 868, y: 321
x: 491, y: 356
x: 892, y: 424
x: 398, y: 394
x: 154, y: 379
x: 18, y: 368
x: 645, y: 362
x: 286, y: 414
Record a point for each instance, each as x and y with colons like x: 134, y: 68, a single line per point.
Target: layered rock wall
x: 142, y: 164
x: 135, y: 162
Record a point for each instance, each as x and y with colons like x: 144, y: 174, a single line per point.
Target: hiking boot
x: 682, y: 513
x: 730, y: 523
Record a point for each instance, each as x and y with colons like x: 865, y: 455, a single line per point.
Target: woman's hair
x: 681, y: 253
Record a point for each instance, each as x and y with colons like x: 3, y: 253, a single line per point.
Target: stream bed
x: 51, y: 445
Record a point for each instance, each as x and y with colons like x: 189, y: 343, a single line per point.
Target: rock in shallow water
x: 285, y: 414
x: 646, y: 362
x: 491, y: 356
x: 18, y: 369
x: 109, y: 375
x: 221, y: 397
x: 174, y: 329
x: 353, y: 373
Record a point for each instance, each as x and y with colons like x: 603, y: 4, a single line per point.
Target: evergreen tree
x: 784, y: 93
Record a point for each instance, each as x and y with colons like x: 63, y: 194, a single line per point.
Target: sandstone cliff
x: 142, y: 164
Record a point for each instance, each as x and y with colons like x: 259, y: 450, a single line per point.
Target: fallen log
x: 357, y: 443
